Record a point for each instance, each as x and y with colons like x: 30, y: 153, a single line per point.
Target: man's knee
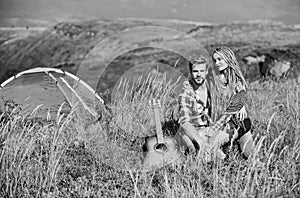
x: 219, y: 139
x: 184, y: 142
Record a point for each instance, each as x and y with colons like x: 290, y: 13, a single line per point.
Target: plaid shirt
x: 191, y: 108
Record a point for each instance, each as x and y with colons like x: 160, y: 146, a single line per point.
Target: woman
x: 229, y: 102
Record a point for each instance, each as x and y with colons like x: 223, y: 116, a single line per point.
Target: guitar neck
x: 159, y: 132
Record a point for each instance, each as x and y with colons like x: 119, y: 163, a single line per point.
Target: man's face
x: 199, y: 73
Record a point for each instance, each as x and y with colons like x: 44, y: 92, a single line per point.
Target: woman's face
x: 219, y: 61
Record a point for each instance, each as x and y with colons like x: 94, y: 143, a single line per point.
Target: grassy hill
x: 70, y: 158
x: 55, y: 159
x: 66, y: 45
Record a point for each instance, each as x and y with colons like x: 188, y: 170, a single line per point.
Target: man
x: 194, y: 112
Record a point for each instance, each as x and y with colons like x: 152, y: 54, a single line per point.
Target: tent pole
x: 60, y: 88
x: 79, y: 98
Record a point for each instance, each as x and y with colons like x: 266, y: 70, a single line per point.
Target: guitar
x: 160, y: 150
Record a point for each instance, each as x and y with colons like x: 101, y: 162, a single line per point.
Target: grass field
x: 53, y: 159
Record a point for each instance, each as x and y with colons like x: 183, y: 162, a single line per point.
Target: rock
x: 263, y: 61
x: 280, y: 68
x: 264, y: 67
x: 298, y: 78
x: 249, y: 60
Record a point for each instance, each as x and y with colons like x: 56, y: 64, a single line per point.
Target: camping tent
x: 43, y: 91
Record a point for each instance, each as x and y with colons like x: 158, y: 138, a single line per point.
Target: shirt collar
x: 188, y: 86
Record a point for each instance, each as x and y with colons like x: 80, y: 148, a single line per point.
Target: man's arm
x: 185, y: 119
x: 221, y: 122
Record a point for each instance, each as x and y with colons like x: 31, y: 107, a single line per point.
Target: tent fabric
x: 46, y: 90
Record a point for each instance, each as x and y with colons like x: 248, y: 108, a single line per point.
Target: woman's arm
x: 241, y: 96
x: 236, y: 106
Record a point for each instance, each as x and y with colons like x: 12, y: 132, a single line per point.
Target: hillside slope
x: 66, y: 45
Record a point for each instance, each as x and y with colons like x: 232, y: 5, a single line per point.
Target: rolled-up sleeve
x: 185, y: 106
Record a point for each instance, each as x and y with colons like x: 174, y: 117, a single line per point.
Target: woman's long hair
x: 234, y: 77
x: 233, y: 71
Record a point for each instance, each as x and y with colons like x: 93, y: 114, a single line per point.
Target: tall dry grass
x: 48, y: 159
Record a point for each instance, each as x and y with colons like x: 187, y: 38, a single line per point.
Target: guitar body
x: 159, y: 150
x: 160, y: 154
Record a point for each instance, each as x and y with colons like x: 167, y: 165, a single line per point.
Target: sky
x: 212, y: 11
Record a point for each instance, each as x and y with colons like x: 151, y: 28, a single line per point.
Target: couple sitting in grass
x: 212, y: 108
